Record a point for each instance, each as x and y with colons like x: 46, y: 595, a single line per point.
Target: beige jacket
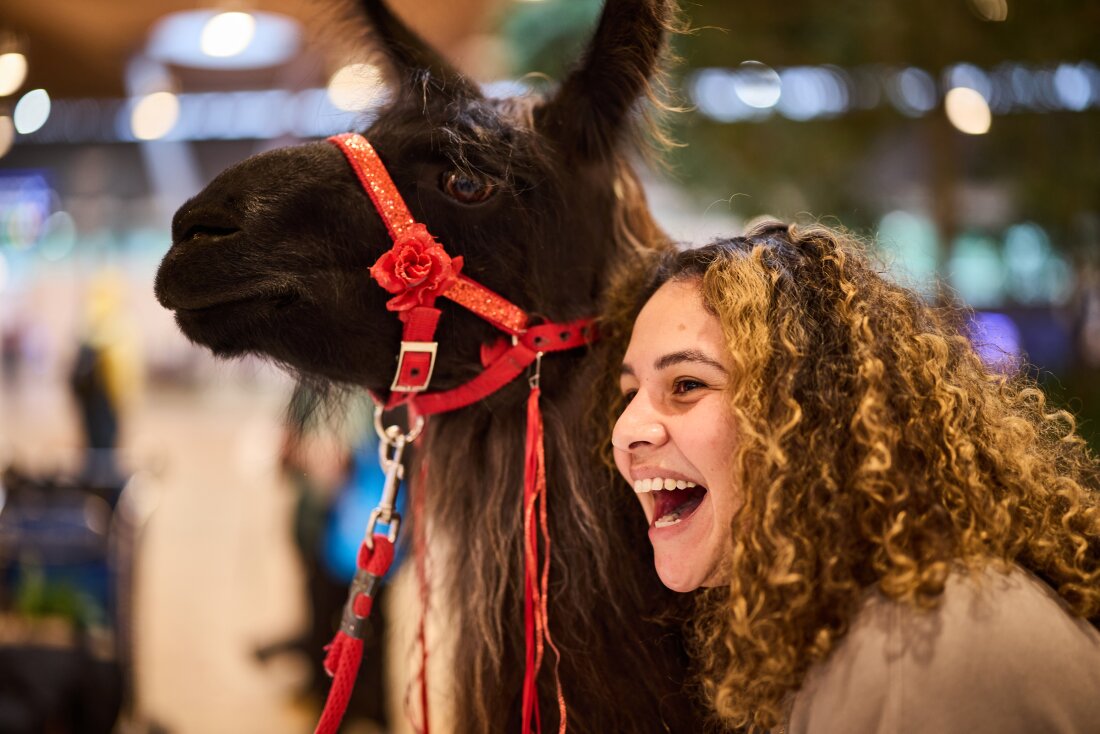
x: 999, y: 656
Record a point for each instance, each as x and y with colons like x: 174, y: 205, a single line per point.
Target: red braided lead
x: 345, y: 652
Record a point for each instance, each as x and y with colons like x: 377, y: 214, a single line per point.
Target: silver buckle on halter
x: 428, y: 348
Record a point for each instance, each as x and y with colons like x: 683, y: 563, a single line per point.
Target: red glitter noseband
x: 418, y: 270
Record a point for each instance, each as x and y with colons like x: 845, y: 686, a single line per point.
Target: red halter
x: 417, y: 270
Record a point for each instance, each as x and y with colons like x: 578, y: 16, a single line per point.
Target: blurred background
x: 172, y: 553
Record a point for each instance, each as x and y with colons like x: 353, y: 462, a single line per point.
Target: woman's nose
x: 638, y: 427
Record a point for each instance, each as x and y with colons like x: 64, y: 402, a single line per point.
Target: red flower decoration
x: 417, y: 269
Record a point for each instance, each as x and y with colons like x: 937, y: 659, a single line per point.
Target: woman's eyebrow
x: 686, y: 355
x: 674, y: 358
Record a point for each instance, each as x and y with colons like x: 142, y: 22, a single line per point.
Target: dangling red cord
x: 420, y: 547
x: 345, y: 652
x: 535, y: 580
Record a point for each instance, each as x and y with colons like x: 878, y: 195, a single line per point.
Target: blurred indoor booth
x: 176, y: 537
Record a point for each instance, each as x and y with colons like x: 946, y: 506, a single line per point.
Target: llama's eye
x: 467, y: 189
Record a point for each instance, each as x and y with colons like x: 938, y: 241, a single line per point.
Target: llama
x: 272, y: 258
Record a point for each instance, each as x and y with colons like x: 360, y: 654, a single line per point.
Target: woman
x: 893, y: 537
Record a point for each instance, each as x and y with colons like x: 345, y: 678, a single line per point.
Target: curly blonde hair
x: 876, y: 451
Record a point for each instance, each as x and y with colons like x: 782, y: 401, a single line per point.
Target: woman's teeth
x: 652, y: 485
x: 671, y: 518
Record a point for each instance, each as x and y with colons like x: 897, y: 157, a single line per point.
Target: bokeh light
x: 355, y: 87
x: 810, y: 92
x: 155, y: 115
x: 1034, y: 272
x: 13, y: 72
x: 992, y: 10
x: 757, y: 85
x: 31, y: 111
x: 910, y: 247
x: 1071, y: 82
x: 712, y: 91
x: 970, y: 76
x: 58, y: 236
x: 976, y: 271
x: 967, y: 110
x: 7, y: 134
x: 913, y: 92
x: 227, y: 34
x: 997, y: 339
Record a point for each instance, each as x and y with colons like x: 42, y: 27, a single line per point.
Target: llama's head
x: 272, y: 257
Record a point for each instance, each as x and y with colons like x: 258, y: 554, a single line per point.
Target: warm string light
x: 155, y: 115
x: 991, y: 10
x: 355, y: 87
x: 13, y: 72
x: 7, y: 134
x: 967, y: 110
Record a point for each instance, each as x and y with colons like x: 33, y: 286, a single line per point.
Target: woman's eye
x: 681, y: 387
x: 466, y: 188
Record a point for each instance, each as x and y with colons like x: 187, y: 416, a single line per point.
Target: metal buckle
x: 418, y: 348
x: 351, y: 624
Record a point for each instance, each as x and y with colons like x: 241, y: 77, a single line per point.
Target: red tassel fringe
x: 535, y: 579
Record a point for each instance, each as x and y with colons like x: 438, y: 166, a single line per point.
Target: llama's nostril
x: 196, y: 231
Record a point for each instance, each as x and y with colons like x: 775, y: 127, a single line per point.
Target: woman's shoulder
x: 999, y: 654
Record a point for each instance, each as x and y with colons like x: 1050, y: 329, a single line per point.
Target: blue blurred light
x: 1073, y: 87
x: 913, y: 92
x: 713, y: 91
x: 911, y: 246
x: 1035, y: 273
x: 969, y: 76
x: 757, y: 85
x: 996, y: 337
x: 976, y: 271
x: 810, y: 92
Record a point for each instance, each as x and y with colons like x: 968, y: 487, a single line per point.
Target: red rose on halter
x: 416, y: 268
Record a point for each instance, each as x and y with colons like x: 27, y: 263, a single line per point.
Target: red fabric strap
x: 494, y: 308
x: 416, y: 360
x: 376, y: 180
x: 505, y: 368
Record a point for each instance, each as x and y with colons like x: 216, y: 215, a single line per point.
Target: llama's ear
x: 408, y: 54
x: 591, y: 109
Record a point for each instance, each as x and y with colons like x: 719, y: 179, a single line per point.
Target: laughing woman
x: 895, y: 538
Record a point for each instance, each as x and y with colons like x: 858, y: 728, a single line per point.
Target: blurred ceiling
x: 80, y: 48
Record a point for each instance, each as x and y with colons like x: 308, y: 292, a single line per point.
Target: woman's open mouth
x: 673, y: 500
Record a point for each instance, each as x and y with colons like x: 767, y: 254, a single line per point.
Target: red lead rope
x: 345, y: 652
x: 417, y: 271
